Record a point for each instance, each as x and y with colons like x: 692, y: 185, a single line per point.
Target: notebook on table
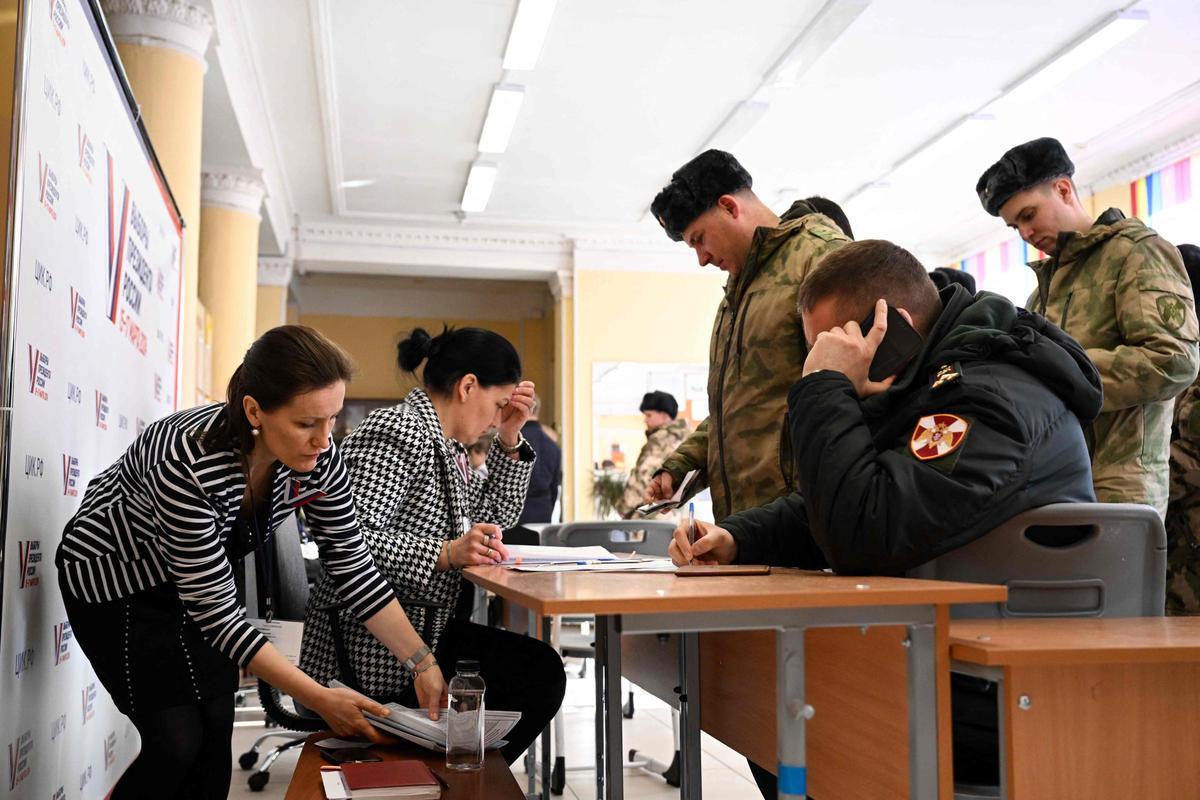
x: 380, y: 780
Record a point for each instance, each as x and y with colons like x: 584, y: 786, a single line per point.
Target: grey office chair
x: 1063, y: 560
x: 1066, y: 560
x: 645, y: 537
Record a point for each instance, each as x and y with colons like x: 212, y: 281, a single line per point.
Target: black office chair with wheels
x: 291, y: 599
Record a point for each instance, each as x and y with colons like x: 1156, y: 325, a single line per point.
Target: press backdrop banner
x: 95, y: 313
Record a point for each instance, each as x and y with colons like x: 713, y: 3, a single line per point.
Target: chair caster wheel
x: 248, y: 759
x: 258, y: 780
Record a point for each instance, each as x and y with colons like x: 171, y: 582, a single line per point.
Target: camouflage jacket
x: 1121, y: 291
x: 1183, y: 514
x: 660, y: 443
x: 756, y: 354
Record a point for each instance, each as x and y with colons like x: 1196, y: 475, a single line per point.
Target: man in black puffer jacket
x: 982, y: 423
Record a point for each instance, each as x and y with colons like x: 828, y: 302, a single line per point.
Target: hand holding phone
x: 900, y: 344
x: 853, y: 350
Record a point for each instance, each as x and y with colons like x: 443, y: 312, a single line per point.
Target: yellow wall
x: 228, y: 284
x: 270, y: 308
x: 371, y: 342
x: 1112, y: 197
x: 633, y: 316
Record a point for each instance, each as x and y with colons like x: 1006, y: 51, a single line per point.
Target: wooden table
x: 788, y: 601
x: 1091, y: 708
x: 494, y: 782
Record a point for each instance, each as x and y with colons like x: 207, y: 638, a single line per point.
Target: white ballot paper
x: 675, y: 500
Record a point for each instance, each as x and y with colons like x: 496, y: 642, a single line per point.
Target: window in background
x: 1004, y: 269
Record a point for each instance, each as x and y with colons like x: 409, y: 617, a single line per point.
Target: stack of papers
x: 414, y: 725
x: 631, y: 564
x: 540, y: 554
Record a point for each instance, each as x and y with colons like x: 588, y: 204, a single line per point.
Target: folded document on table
x: 541, y: 554
x: 415, y: 725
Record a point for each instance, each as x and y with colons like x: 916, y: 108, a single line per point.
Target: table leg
x: 922, y: 714
x: 614, y: 753
x: 689, y: 717
x: 791, y: 714
x: 531, y: 760
x: 547, y: 638
x: 601, y: 648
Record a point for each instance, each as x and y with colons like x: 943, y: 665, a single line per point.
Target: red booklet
x: 361, y: 779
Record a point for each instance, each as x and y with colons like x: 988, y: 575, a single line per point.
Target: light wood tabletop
x: 1006, y: 642
x: 549, y: 594
x: 494, y: 782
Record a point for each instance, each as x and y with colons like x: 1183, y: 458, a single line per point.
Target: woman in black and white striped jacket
x: 146, y: 565
x: 424, y: 519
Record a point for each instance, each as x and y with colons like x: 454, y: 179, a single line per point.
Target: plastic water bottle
x: 464, y: 718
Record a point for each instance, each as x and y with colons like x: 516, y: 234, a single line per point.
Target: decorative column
x: 162, y: 45
x: 562, y: 287
x: 229, y: 220
x: 274, y: 277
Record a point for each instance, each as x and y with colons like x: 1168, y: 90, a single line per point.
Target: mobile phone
x: 349, y: 755
x: 899, y: 345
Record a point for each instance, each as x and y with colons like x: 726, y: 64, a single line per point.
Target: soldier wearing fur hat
x: 1121, y: 291
x: 664, y: 432
x: 742, y: 450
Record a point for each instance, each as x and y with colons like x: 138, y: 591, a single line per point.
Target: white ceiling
x: 627, y: 90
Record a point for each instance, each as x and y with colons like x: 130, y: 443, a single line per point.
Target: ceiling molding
x: 174, y: 24
x: 275, y: 271
x: 244, y: 84
x: 322, y: 42
x: 231, y: 188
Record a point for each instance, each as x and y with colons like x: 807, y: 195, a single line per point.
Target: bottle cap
x: 466, y: 665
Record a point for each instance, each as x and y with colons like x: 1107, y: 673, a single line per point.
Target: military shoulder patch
x: 938, y: 435
x: 1172, y: 311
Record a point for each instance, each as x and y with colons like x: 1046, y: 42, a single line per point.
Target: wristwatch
x: 411, y: 662
x: 510, y: 450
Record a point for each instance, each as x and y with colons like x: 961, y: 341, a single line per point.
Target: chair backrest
x: 292, y: 586
x: 1066, y: 560
x: 647, y: 537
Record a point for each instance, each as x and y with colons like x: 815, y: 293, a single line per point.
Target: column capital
x: 562, y: 284
x: 173, y: 24
x: 275, y: 271
x: 227, y: 187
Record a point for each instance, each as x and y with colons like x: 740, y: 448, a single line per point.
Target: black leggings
x: 185, y: 753
x: 521, y: 673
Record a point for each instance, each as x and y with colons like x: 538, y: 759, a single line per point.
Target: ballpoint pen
x: 691, y: 529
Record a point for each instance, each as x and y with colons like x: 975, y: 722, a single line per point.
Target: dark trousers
x: 521, y: 674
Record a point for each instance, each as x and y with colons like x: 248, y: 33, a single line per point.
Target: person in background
x: 1183, y: 511
x: 478, y: 453
x: 1121, y: 291
x: 147, y: 564
x: 546, y: 479
x: 741, y: 450
x: 983, y: 422
x: 664, y: 432
x: 424, y: 518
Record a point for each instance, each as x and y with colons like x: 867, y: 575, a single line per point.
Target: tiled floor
x: 725, y: 775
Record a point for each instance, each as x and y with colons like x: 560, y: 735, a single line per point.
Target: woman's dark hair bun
x: 456, y: 352
x: 413, y: 350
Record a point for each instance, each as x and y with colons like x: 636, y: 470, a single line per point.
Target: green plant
x: 607, y: 487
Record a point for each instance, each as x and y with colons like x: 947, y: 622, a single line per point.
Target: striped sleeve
x: 344, y: 554
x: 191, y: 547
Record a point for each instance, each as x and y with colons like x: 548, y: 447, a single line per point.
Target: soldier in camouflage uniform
x: 1121, y: 291
x: 1183, y: 513
x: 742, y: 449
x: 663, y: 434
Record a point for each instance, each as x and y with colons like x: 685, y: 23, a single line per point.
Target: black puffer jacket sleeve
x: 873, y: 506
x: 776, y: 533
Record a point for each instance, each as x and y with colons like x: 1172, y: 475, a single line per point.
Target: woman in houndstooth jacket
x: 424, y: 519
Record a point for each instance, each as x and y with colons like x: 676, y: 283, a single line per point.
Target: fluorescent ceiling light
x: 528, y: 32
x: 357, y: 183
x: 826, y: 27
x: 479, y: 187
x: 1114, y: 30
x: 744, y: 116
x: 501, y: 117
